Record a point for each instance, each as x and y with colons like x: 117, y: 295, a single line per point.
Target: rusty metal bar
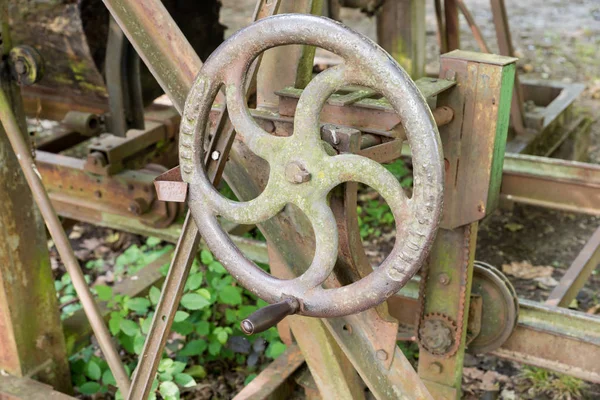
x: 14, y: 388
x: 577, y: 274
x: 31, y: 339
x: 451, y: 25
x: 270, y: 381
x: 506, y: 49
x: 545, y: 182
x: 168, y: 303
x: 558, y: 339
x: 473, y: 25
x: 62, y: 243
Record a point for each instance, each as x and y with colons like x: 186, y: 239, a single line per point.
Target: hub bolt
x: 296, y: 173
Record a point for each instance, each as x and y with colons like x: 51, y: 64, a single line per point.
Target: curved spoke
x: 260, y: 209
x: 326, y: 242
x: 312, y: 100
x: 350, y: 167
x: 258, y: 141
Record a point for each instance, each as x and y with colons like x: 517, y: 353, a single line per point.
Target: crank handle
x: 271, y: 315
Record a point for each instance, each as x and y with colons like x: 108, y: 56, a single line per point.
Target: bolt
x: 296, y: 173
x: 444, y: 279
x: 436, y: 367
x: 215, y: 155
x: 382, y: 355
x: 20, y: 67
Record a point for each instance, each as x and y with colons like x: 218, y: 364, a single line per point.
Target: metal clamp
x: 302, y: 173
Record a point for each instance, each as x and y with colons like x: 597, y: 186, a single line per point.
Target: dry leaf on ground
x: 524, y: 270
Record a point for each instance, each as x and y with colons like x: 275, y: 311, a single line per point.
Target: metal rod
x: 61, y: 241
x: 171, y: 293
x: 506, y: 49
x: 474, y: 27
x: 577, y: 274
x: 452, y: 26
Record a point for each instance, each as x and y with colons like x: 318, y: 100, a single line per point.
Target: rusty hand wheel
x: 302, y: 173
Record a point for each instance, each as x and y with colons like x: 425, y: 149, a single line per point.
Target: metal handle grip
x: 271, y: 315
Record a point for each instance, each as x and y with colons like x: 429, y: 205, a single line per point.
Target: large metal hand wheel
x: 302, y: 173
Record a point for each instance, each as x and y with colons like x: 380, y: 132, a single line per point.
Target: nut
x: 296, y: 173
x: 382, y: 355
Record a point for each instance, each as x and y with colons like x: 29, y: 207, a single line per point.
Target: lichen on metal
x: 366, y: 65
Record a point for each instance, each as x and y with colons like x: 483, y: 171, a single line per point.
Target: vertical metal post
x: 506, y: 49
x: 401, y: 32
x: 447, y: 293
x: 31, y: 338
x: 23, y: 153
x: 452, y: 26
x: 474, y: 143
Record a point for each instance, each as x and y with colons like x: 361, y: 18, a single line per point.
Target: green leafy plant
x: 375, y: 215
x: 539, y: 382
x: 206, y: 328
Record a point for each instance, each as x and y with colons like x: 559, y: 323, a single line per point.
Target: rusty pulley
x: 303, y: 174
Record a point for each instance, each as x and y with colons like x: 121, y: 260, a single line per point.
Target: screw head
x: 444, y: 279
x: 382, y: 355
x: 215, y: 155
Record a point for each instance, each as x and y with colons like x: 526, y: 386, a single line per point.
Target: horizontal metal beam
x: 577, y: 274
x: 557, y: 339
x: 553, y: 183
x: 253, y: 249
x: 14, y: 388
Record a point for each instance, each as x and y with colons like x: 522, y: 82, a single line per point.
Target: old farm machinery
x: 293, y: 148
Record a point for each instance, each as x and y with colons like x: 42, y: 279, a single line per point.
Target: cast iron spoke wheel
x: 302, y: 173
